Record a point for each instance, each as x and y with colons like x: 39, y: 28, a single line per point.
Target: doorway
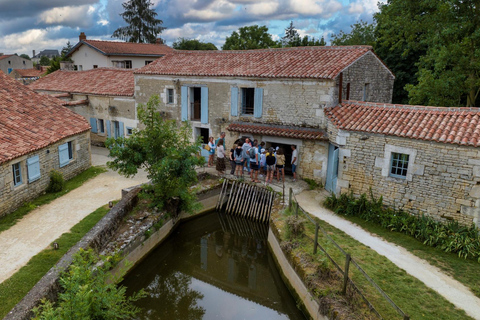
x: 287, y: 151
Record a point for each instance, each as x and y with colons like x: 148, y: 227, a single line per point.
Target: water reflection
x: 212, y: 269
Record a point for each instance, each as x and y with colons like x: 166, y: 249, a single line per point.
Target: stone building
x: 103, y: 96
x: 9, y: 62
x: 37, y: 135
x: 274, y: 95
x: 424, y: 160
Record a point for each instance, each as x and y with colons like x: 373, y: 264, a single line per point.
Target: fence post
x: 315, y: 244
x: 283, y: 194
x: 296, y: 208
x: 406, y: 317
x: 345, y: 274
x: 290, y: 199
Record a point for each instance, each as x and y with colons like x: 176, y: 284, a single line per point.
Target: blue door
x: 332, y: 168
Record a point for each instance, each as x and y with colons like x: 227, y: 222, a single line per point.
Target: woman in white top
x: 220, y: 157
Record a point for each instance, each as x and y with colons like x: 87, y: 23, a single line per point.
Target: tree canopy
x: 193, y: 44
x: 362, y: 33
x: 143, y: 26
x: 44, y: 61
x: 249, y: 37
x: 291, y: 37
x: 24, y: 56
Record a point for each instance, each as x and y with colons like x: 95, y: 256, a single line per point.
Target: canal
x: 212, y: 267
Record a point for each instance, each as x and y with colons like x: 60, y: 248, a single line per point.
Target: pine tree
x: 291, y: 37
x: 143, y: 26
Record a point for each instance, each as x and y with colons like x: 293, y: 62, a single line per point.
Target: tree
x: 291, y: 37
x: 55, y: 62
x: 66, y: 49
x: 192, y: 44
x: 44, y: 61
x: 252, y: 37
x: 25, y: 56
x: 308, y: 42
x: 89, y: 292
x: 143, y: 26
x: 362, y: 33
x: 164, y: 149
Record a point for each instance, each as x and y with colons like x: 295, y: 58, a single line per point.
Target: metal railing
x: 293, y: 205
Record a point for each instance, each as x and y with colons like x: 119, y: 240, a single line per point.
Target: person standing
x: 222, y: 136
x: 246, y: 148
x: 270, y: 165
x: 280, y: 164
x: 254, y: 161
x: 232, y: 159
x: 238, y: 157
x: 211, y: 152
x: 294, y: 162
x: 220, y: 157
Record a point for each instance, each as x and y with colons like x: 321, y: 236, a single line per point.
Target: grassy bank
x: 17, y: 286
x: 12, y: 218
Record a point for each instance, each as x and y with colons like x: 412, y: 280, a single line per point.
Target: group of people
x: 253, y: 157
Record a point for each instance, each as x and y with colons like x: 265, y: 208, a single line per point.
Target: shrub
x: 295, y: 227
x: 57, y: 183
x: 449, y: 237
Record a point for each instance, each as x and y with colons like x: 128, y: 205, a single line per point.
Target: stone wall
x: 12, y: 197
x: 443, y: 180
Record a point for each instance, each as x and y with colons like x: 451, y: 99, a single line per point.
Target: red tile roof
x: 101, y: 81
x: 115, y: 48
x: 4, y: 56
x: 277, y: 131
x: 75, y: 102
x: 30, y: 121
x: 300, y: 62
x: 447, y: 125
x: 30, y: 73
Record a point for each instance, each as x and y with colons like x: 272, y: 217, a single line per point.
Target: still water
x: 212, y: 267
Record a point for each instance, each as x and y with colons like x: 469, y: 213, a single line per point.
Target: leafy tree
x: 251, y: 37
x: 25, y: 56
x: 66, y: 49
x: 291, y: 37
x: 44, y: 61
x: 164, y: 149
x: 88, y: 292
x: 307, y: 42
x: 362, y: 33
x: 192, y: 44
x: 143, y: 26
x: 55, y: 62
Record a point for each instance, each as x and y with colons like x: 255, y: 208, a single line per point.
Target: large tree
x: 362, y: 33
x: 252, y: 37
x: 143, y: 26
x: 193, y: 44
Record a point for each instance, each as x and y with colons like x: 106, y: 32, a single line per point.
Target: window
x: 65, y: 153
x: 169, y: 95
x: 95, y: 66
x: 9, y: 62
x: 366, y: 88
x: 101, y: 126
x: 196, y: 104
x: 248, y: 100
x: 128, y: 64
x: 148, y: 62
x: 23, y: 62
x: 348, y: 92
x: 17, y: 174
x: 80, y: 67
x: 125, y: 64
x: 399, y: 165
x: 129, y: 131
x: 33, y: 168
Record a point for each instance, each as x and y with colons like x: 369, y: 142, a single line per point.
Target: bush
x: 295, y: 227
x: 57, y: 183
x: 449, y: 237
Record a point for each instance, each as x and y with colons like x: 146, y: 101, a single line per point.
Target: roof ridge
x: 409, y: 107
x: 311, y: 48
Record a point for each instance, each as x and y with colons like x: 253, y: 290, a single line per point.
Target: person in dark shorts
x: 270, y: 165
x: 280, y: 165
x: 254, y: 161
x: 232, y: 159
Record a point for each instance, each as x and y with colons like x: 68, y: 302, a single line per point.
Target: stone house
x: 27, y: 76
x: 424, y: 160
x: 103, y: 96
x: 91, y: 54
x: 274, y: 95
x: 37, y: 135
x: 9, y: 62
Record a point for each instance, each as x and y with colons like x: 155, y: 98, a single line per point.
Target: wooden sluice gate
x: 245, y: 200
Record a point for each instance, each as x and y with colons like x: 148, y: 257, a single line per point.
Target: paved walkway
x: 39, y: 228
x: 431, y: 276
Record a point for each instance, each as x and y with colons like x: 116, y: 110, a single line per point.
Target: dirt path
x: 431, y: 276
x: 39, y: 228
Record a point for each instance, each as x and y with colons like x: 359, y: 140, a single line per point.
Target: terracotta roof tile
x: 30, y: 121
x: 101, y: 81
x: 300, y: 62
x: 277, y: 130
x: 447, y: 125
x: 109, y: 48
x: 4, y: 56
x: 32, y: 72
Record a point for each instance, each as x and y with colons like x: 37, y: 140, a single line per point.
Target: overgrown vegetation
x: 90, y: 291
x: 166, y: 152
x: 11, y: 219
x: 57, y: 183
x: 312, y: 184
x: 449, y: 237
x: 17, y: 286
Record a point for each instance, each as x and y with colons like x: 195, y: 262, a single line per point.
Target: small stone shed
x: 37, y: 134
x: 277, y: 91
x: 424, y: 160
x: 103, y: 96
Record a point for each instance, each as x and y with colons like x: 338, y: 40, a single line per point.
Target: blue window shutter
x: 122, y: 129
x: 93, y: 124
x: 63, y: 154
x: 109, y: 132
x: 257, y: 112
x: 33, y: 168
x: 184, y: 103
x: 204, y: 106
x: 234, y: 101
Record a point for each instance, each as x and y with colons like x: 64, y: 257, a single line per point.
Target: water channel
x: 212, y: 267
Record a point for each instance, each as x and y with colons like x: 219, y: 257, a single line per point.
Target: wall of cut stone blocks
x: 12, y: 197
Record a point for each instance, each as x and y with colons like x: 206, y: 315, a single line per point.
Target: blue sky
x: 27, y: 25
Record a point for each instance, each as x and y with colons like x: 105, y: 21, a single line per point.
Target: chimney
x: 82, y: 36
x: 33, y: 51
x: 159, y: 41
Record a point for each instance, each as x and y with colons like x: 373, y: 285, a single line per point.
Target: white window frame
x: 172, y: 96
x: 15, y: 175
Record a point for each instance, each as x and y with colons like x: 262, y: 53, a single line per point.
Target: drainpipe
x: 340, y: 88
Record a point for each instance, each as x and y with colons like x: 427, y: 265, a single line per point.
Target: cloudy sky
x: 27, y: 25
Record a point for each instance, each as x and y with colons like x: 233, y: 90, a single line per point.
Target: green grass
x: 466, y: 271
x: 12, y: 218
x: 17, y: 286
x: 409, y: 293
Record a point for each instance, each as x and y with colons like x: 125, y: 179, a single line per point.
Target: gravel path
x: 39, y: 228
x: 431, y: 276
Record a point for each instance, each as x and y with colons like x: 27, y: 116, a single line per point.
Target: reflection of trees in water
x: 178, y: 300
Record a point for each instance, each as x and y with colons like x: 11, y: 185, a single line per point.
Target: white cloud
x: 34, y: 39
x: 218, y: 9
x: 266, y: 8
x: 79, y: 16
x: 325, y: 8
x: 356, y: 8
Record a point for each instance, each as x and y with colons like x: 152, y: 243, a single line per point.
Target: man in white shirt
x: 294, y: 162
